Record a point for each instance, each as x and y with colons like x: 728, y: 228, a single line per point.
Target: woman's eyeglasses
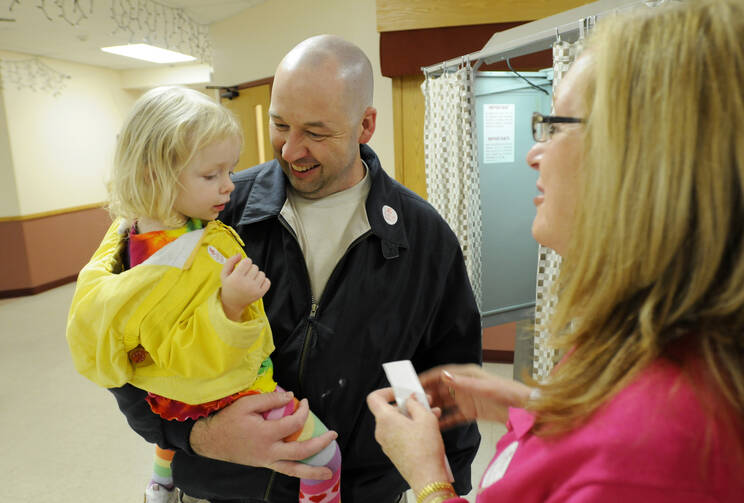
x: 543, y: 125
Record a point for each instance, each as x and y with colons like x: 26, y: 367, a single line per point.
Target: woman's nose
x: 534, y: 155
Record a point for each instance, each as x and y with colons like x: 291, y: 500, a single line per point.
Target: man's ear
x: 369, y: 122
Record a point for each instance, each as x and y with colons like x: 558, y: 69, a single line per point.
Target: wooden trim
x: 394, y: 15
x: 23, y: 292
x: 498, y: 356
x: 52, y: 213
x: 256, y: 83
x: 400, y: 172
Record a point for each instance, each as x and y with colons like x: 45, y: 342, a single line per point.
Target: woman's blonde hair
x: 656, y: 261
x: 163, y: 131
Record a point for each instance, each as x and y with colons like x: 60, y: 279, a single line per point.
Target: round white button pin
x: 390, y: 215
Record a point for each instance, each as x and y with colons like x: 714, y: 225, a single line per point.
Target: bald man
x: 363, y: 272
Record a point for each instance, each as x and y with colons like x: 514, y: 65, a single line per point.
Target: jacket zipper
x: 306, y: 344
x: 268, y: 486
x: 314, y: 309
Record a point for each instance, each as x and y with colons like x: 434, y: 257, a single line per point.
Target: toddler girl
x: 188, y: 323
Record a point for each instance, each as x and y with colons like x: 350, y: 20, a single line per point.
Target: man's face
x: 314, y: 133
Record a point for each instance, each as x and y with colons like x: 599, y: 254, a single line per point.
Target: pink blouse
x: 653, y: 442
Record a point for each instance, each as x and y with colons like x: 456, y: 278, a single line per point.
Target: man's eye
x: 281, y: 127
x: 315, y: 136
x: 552, y: 129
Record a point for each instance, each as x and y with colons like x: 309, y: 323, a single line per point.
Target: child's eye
x: 210, y: 177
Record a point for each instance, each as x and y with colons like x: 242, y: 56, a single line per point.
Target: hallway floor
x: 63, y: 439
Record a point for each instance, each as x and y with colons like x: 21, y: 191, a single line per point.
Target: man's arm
x: 237, y: 434
x: 167, y: 434
x: 240, y: 434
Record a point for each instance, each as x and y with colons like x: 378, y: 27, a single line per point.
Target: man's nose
x: 293, y: 147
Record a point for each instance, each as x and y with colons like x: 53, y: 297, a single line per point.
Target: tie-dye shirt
x: 142, y: 246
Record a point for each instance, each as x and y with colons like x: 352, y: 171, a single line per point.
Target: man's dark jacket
x: 400, y: 292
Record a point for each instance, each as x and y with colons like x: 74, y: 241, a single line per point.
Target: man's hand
x: 239, y: 434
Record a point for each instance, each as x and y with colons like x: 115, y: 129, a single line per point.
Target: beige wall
x: 248, y: 47
x: 61, y: 145
x: 55, y: 151
x: 8, y: 194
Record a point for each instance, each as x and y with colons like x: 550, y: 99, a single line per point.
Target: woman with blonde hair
x: 641, y: 180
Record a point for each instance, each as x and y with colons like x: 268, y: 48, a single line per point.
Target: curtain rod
x: 539, y: 35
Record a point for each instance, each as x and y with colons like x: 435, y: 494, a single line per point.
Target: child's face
x: 205, y: 181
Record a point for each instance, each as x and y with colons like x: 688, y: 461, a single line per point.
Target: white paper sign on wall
x: 498, y: 133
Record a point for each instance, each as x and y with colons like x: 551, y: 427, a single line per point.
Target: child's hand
x: 242, y: 284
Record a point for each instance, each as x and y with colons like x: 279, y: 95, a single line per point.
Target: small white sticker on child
x: 216, y: 255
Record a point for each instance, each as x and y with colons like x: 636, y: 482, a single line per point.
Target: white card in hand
x: 405, y: 382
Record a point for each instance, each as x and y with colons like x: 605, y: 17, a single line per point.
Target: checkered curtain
x: 549, y: 262
x: 450, y: 153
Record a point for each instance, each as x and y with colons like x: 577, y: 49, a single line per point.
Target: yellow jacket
x: 170, y: 304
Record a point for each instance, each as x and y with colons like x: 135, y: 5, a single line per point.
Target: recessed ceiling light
x: 148, y: 52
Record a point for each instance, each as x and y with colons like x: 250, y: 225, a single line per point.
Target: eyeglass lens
x: 540, y: 129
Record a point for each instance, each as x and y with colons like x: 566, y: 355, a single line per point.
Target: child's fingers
x: 245, y: 266
x: 260, y: 278
x: 229, y: 266
x: 253, y: 272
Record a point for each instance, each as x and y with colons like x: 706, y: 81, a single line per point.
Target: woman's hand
x: 465, y: 393
x: 414, y: 444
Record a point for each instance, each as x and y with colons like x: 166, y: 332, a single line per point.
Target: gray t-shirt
x: 326, y: 227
